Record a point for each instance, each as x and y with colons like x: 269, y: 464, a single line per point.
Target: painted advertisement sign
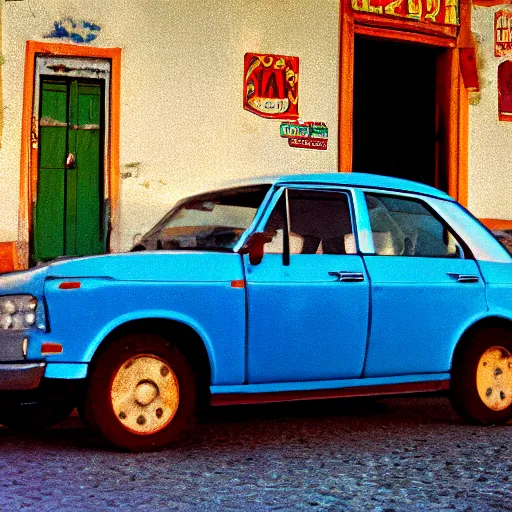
x: 444, y: 12
x: 271, y: 85
x: 502, y: 33
x: 308, y: 143
x: 304, y: 130
x: 305, y: 135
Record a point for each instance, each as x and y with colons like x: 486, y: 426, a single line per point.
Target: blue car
x: 285, y: 288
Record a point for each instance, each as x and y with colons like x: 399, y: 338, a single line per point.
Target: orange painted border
x: 7, y: 256
x: 463, y: 146
x: 28, y: 167
x: 490, y: 3
x: 453, y: 123
x: 346, y: 87
x: 497, y: 223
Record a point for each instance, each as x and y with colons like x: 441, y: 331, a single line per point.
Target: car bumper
x: 21, y: 376
x: 16, y: 373
x: 13, y: 346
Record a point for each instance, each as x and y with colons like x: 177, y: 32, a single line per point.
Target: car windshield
x: 211, y: 222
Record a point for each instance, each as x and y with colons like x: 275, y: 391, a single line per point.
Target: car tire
x: 85, y: 415
x: 481, y: 384
x: 141, y: 393
x: 36, y: 415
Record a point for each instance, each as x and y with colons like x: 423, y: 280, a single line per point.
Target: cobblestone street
x: 390, y: 454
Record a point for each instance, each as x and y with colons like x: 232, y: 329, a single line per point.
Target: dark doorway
x: 395, y: 121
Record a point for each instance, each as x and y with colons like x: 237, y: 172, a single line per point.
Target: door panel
x: 68, y: 212
x: 425, y: 288
x: 419, y: 310
x: 86, y: 137
x: 49, y: 208
x: 303, y: 323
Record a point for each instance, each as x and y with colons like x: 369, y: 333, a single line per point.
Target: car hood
x: 184, y: 266
x: 23, y: 282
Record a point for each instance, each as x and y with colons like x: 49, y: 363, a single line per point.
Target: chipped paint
x: 131, y: 170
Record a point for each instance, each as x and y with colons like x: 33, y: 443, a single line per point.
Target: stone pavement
x: 388, y: 455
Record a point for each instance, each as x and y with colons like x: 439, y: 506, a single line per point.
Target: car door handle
x: 464, y: 278
x: 348, y: 277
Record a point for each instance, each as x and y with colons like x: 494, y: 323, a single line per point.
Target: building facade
x: 114, y: 110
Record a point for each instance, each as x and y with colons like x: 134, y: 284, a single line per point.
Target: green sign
x: 304, y: 130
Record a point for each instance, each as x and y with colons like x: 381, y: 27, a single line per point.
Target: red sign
x: 271, y: 85
x: 308, y: 143
x: 502, y: 33
x: 445, y: 12
x: 505, y: 91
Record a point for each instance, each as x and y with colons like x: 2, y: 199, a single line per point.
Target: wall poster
x: 502, y: 33
x: 271, y: 85
x: 505, y: 91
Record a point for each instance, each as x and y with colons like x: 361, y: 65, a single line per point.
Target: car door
x: 308, y: 298
x: 426, y: 287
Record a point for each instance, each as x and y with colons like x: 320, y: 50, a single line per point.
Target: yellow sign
x: 444, y: 12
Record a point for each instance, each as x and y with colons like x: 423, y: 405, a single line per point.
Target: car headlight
x: 17, y: 312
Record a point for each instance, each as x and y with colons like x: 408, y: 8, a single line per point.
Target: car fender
x: 149, y: 315
x: 81, y: 319
x: 491, y: 318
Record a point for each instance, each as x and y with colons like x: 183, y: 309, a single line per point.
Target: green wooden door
x: 68, y: 213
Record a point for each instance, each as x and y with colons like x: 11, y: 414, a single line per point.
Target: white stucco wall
x: 182, y: 121
x: 490, y: 140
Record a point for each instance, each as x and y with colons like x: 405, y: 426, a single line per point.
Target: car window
x: 319, y: 223
x: 505, y: 239
x: 406, y: 227
x: 212, y: 221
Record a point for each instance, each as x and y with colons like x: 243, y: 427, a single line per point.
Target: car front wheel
x: 141, y: 393
x: 482, y: 378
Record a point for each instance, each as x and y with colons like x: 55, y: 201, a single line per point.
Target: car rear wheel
x: 141, y: 393
x: 482, y: 378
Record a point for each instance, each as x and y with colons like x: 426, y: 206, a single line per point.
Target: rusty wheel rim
x: 145, y: 394
x: 494, y: 378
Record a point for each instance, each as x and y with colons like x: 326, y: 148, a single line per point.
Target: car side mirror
x: 255, y: 246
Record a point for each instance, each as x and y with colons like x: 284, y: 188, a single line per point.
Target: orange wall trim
x: 7, y: 256
x: 497, y: 223
x: 346, y: 87
x: 28, y: 167
x: 491, y: 3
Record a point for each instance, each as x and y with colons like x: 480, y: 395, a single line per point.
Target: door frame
x: 29, y: 146
x: 455, y: 102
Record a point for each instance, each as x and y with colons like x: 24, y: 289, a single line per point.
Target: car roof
x: 353, y: 179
